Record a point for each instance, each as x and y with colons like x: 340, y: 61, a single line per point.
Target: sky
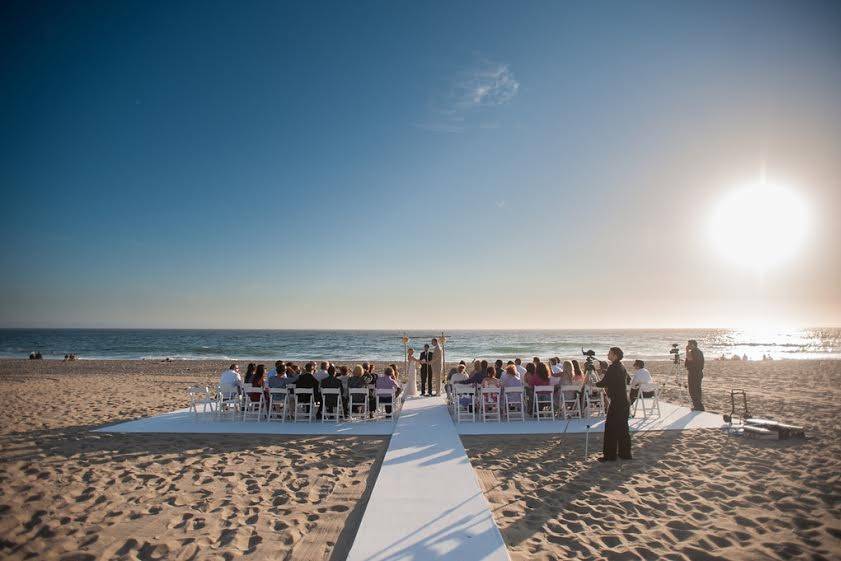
x: 404, y: 165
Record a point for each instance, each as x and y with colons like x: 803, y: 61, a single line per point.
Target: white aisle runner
x: 427, y: 503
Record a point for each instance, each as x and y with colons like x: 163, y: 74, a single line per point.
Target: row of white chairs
x: 293, y: 404
x: 492, y: 404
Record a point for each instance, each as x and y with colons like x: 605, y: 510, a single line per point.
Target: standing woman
x: 412, y: 374
x: 617, y: 437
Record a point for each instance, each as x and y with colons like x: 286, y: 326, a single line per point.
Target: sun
x: 760, y: 226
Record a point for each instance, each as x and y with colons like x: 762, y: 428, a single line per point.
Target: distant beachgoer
x: 32, y: 355
x: 745, y: 357
x: 695, y: 366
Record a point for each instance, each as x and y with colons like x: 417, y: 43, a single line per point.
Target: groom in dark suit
x: 426, y: 371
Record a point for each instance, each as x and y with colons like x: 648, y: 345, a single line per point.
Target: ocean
x: 271, y: 345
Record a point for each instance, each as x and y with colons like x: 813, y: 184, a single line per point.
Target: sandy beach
x: 70, y: 494
x: 689, y: 495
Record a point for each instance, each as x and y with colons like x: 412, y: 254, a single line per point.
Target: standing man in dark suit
x: 695, y: 366
x: 617, y: 437
x: 426, y: 371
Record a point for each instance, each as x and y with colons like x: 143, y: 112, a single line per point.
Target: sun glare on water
x: 760, y: 226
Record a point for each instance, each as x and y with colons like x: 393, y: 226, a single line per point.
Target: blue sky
x: 400, y: 165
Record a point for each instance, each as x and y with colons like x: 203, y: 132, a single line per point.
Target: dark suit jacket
x: 614, y: 384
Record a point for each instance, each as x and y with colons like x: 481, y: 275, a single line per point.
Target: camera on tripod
x: 588, y: 363
x: 675, y: 350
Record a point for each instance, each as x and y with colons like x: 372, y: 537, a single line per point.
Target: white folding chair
x: 384, y: 403
x: 200, y: 396
x: 490, y: 404
x: 515, y: 408
x: 228, y: 400
x: 252, y: 408
x: 570, y: 404
x: 465, y: 402
x: 594, y: 402
x: 338, y: 413
x: 544, y: 402
x: 278, y: 401
x: 653, y: 402
x: 304, y: 405
x: 358, y: 403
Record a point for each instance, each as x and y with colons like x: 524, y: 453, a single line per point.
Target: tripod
x: 678, y: 374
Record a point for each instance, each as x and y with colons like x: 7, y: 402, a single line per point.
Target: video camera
x: 675, y: 350
x: 588, y: 363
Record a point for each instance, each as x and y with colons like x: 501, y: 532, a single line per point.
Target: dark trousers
x: 617, y: 437
x: 426, y: 379
x: 694, y: 379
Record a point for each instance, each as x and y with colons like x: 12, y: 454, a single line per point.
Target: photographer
x: 695, y: 367
x: 617, y: 437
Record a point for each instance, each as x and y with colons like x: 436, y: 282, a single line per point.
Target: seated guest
x: 279, y: 368
x: 307, y: 381
x: 330, y: 402
x: 258, y: 380
x: 498, y: 368
x: 357, y: 378
x: 291, y: 373
x: 510, y: 378
x: 343, y: 376
x: 459, y: 376
x: 491, y: 381
x: 478, y: 376
x: 249, y: 372
x: 231, y: 377
x: 321, y: 373
x: 279, y: 380
x: 529, y: 379
x: 521, y: 370
x: 566, y: 378
x: 477, y: 368
x: 641, y: 376
x: 577, y: 376
x: 388, y: 381
x: 542, y: 374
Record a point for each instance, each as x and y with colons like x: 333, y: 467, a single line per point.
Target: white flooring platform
x: 672, y: 417
x: 184, y: 420
x: 427, y: 503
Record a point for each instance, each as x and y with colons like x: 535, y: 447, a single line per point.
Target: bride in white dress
x: 412, y: 374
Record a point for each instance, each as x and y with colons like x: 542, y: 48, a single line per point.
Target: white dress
x: 412, y: 379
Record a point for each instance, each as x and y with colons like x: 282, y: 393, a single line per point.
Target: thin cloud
x: 484, y: 86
